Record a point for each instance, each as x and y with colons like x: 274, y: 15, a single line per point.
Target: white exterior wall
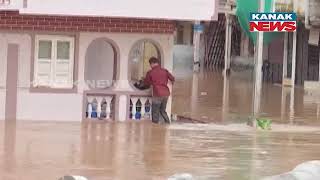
x: 49, y: 107
x: 3, y: 75
x: 125, y: 42
x: 34, y: 106
x: 68, y: 107
x: 2, y: 103
x: 164, y: 9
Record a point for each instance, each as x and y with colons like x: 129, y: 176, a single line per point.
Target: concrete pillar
x: 227, y: 53
x: 294, y: 55
x: 9, y: 144
x: 123, y: 83
x: 225, y: 100
x: 285, y: 57
x: 283, y: 104
x: 122, y: 107
x: 196, y: 45
x: 194, y: 91
x: 291, y: 112
x: 258, y: 72
x: 202, y: 52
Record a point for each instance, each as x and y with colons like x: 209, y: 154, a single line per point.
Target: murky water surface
x: 210, y: 98
x: 142, y: 151
x: 227, y: 150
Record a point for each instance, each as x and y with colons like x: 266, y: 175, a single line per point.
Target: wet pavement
x: 223, y: 149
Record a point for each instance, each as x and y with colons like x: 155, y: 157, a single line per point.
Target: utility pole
x: 258, y: 72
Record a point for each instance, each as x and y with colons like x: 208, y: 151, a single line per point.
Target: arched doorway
x: 139, y: 57
x: 100, y: 64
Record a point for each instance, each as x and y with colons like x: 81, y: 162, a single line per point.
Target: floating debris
x: 174, y: 117
x: 264, y: 123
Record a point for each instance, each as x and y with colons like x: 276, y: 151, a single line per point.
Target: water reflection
x: 143, y: 151
x: 9, y: 149
x: 229, y: 100
x: 114, y: 147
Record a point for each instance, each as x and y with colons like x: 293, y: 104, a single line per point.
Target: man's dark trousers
x: 159, y: 105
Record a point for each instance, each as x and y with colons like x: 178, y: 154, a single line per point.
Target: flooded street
x: 203, y: 97
x: 80, y: 81
x: 140, y: 150
x: 227, y: 149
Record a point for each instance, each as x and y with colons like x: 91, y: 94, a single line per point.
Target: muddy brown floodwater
x: 227, y: 150
x: 203, y: 97
x: 142, y: 151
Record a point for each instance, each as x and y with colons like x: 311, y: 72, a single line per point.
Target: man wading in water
x: 158, y: 78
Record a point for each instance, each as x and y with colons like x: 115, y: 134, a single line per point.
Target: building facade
x: 79, y: 60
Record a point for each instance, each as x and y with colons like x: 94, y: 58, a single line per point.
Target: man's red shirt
x: 158, y: 78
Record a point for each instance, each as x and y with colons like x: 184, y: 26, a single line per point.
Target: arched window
x: 139, y: 57
x: 101, y: 63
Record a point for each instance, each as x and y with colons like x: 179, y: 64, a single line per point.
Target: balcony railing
x: 140, y: 107
x: 99, y: 106
x: 103, y: 105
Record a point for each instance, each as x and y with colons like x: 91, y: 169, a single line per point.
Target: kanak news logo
x: 273, y: 22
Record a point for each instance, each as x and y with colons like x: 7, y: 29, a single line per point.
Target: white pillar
x: 143, y: 107
x: 123, y: 108
x: 294, y: 55
x: 283, y: 103
x: 225, y: 101
x: 258, y: 71
x: 284, y: 76
x: 134, y: 107
x: 291, y: 113
x: 227, y: 52
x: 194, y: 95
x: 123, y: 84
x: 108, y: 108
x: 285, y: 58
x: 99, y: 100
x: 89, y: 110
x: 196, y: 46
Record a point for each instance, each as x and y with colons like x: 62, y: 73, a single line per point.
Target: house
x: 78, y: 59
